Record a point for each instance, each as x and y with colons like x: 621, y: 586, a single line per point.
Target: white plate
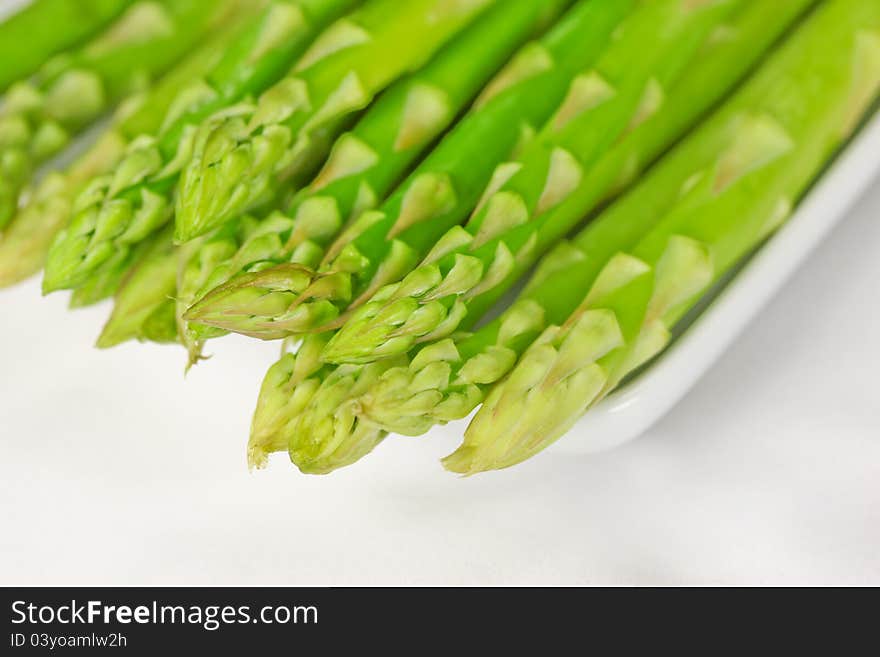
x: 631, y: 411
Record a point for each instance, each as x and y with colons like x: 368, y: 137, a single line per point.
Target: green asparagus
x: 25, y: 243
x: 106, y: 283
x: 366, y: 163
x: 523, y: 95
x: 291, y: 299
x: 40, y: 116
x: 199, y: 260
x: 145, y: 293
x: 447, y: 379
x: 741, y: 176
x: 286, y: 391
x: 535, y: 200
x: 123, y: 208
x: 47, y: 27
x: 384, y: 258
x: 161, y: 326
x: 239, y: 158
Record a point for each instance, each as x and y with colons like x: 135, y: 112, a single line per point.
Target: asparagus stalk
x: 240, y: 157
x: 25, y: 243
x: 366, y: 163
x: 144, y: 295
x: 47, y: 27
x: 123, y: 208
x: 443, y: 189
x: 530, y: 207
x: 769, y: 144
x: 40, y: 116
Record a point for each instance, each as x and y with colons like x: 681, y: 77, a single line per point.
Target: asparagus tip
x: 335, y: 445
x: 233, y: 167
x: 260, y: 447
x: 330, y: 433
x: 373, y: 332
x: 65, y: 265
x: 461, y: 462
x: 271, y: 304
x: 424, y: 307
x: 112, y: 336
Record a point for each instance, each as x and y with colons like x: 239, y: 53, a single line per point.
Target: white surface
x: 113, y: 470
x: 633, y: 410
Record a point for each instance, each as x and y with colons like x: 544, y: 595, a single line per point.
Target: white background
x: 116, y: 470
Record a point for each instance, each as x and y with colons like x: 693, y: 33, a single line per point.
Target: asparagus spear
x: 447, y: 379
x: 25, y: 243
x: 144, y: 295
x: 46, y: 27
x: 123, y: 208
x: 366, y: 163
x: 291, y: 299
x: 240, y: 157
x: 769, y: 144
x: 531, y: 207
x: 40, y: 116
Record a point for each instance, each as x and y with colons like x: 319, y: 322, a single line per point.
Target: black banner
x: 136, y: 620
x: 173, y: 621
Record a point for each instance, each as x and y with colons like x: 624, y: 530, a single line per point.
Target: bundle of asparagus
x: 738, y: 180
x: 370, y: 180
x: 446, y: 379
x: 310, y: 433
